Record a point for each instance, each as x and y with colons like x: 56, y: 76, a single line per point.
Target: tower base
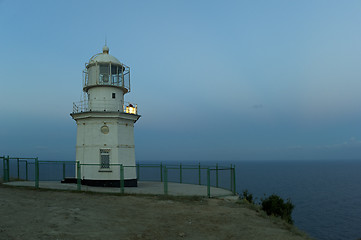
x: 103, y: 183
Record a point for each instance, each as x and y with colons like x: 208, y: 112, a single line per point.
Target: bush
x: 275, y: 205
x: 247, y: 196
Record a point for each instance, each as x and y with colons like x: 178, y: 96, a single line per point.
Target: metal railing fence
x: 32, y: 169
x: 105, y: 106
x: 24, y: 169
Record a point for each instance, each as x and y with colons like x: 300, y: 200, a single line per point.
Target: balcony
x: 105, y: 106
x: 110, y: 75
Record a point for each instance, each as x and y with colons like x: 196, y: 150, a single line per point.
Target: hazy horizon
x: 214, y: 81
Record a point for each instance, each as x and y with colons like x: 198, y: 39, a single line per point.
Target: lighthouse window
x: 114, y: 70
x: 113, y: 95
x: 115, y: 76
x: 104, y: 158
x: 104, y: 73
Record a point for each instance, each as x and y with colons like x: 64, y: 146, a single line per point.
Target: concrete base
x: 103, y: 183
x: 157, y: 188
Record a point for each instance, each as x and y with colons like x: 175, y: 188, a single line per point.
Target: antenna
x: 105, y: 39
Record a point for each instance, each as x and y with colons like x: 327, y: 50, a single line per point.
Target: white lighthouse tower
x: 105, y: 123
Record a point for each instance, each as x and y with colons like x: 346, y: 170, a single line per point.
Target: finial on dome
x: 105, y: 49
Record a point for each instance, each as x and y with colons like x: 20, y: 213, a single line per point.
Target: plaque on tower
x: 104, y: 129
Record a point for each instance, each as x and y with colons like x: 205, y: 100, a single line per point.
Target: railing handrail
x: 212, y: 172
x: 104, y: 105
x: 123, y: 79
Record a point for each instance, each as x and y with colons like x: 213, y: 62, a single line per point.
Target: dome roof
x: 104, y: 57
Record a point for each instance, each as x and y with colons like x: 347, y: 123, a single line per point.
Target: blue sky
x: 214, y: 80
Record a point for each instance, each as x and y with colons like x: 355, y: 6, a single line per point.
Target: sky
x: 213, y: 80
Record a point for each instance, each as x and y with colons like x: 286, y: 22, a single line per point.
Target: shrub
x: 275, y: 205
x: 247, y: 196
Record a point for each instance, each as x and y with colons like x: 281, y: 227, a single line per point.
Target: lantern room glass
x: 104, y: 70
x: 107, y: 74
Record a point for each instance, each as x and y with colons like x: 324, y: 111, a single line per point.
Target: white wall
x: 120, y: 141
x: 100, y: 99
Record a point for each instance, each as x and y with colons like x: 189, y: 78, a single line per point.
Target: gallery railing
x: 121, y: 79
x: 104, y: 106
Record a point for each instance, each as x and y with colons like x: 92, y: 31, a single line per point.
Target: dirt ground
x: 46, y: 214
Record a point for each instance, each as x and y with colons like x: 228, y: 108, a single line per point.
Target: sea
x: 326, y: 194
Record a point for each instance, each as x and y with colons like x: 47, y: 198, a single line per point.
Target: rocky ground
x: 47, y: 214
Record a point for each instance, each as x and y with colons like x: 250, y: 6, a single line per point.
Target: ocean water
x: 326, y: 194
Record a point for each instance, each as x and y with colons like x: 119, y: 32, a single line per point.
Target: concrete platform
x: 157, y: 188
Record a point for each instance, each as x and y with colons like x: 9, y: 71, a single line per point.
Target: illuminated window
x: 131, y: 109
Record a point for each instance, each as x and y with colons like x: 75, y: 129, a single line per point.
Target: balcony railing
x: 104, y: 106
x: 119, y: 80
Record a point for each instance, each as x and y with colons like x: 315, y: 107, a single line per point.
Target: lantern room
x: 104, y: 69
x: 105, y: 81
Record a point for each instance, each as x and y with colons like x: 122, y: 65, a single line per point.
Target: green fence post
x: 234, y: 179
x: 180, y: 173
x: 121, y: 179
x: 63, y: 170
x: 208, y: 182
x: 165, y: 180
x: 199, y: 173
x: 216, y: 174
x: 17, y: 164
x: 78, y: 174
x: 26, y: 169
x: 8, y: 169
x: 231, y: 175
x: 138, y: 171
x: 36, y: 173
x: 161, y: 172
x: 4, y: 170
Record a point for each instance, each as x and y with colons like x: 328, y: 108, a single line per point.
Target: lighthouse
x: 105, y: 123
